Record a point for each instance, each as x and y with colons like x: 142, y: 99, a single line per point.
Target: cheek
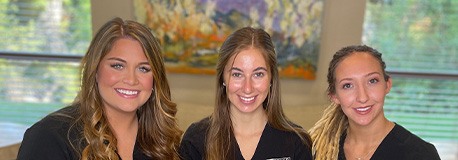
x: 233, y: 87
x: 147, y: 82
x: 343, y: 98
x: 262, y: 86
x: 107, y: 77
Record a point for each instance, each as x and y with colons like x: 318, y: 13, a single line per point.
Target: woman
x: 354, y: 125
x: 248, y: 121
x: 123, y: 110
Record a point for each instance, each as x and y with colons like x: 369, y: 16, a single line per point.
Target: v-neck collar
x: 238, y: 152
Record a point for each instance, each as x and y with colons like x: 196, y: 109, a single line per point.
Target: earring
x: 224, y: 84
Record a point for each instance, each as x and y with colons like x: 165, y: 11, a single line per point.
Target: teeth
x: 247, y: 99
x: 363, y: 109
x: 128, y: 92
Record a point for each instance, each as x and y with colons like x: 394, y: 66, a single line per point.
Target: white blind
x: 419, y: 38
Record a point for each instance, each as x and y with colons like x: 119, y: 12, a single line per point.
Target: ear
x: 96, y: 77
x: 389, y: 84
x: 334, y: 98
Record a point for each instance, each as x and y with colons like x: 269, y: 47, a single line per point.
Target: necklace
x: 367, y: 154
x: 373, y: 147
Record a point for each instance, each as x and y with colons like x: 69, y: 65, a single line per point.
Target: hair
x: 220, y: 133
x: 326, y: 132
x: 158, y: 133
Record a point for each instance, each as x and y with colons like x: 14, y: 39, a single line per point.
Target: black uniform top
x: 399, y: 144
x: 49, y: 138
x: 274, y: 144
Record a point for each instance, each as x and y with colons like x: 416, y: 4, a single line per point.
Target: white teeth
x: 363, y: 109
x: 247, y: 99
x: 128, y: 92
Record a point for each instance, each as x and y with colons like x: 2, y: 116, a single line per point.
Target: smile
x: 362, y: 109
x: 247, y: 98
x: 127, y: 92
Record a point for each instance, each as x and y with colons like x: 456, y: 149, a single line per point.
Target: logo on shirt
x: 283, y: 158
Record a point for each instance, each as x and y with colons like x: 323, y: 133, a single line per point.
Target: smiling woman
x: 248, y: 121
x: 124, y: 108
x: 354, y: 126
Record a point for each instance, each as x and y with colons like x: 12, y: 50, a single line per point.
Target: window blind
x: 41, y: 42
x: 419, y: 38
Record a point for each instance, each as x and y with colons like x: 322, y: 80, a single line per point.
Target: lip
x: 363, y: 110
x: 247, y: 100
x: 127, y: 93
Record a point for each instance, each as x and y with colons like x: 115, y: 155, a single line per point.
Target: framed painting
x: 191, y: 32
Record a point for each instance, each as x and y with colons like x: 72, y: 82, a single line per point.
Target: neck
x: 248, y: 122
x: 369, y: 134
x: 122, y: 123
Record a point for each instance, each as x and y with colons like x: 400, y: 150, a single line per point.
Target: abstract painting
x: 191, y: 32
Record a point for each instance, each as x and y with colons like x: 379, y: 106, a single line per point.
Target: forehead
x: 250, y: 57
x: 358, y: 63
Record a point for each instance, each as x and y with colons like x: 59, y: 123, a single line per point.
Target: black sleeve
x: 427, y: 152
x: 192, y: 143
x: 42, y: 142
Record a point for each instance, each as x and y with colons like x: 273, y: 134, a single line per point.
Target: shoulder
x: 285, y: 134
x: 411, y: 145
x: 49, y: 136
x: 277, y: 142
x: 403, y: 136
x: 198, y: 128
x: 192, y: 144
x: 55, y: 123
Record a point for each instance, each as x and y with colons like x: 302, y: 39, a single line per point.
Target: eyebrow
x: 256, y: 69
x: 367, y: 75
x: 124, y: 61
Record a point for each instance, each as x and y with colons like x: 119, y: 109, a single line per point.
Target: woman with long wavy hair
x: 354, y: 125
x: 124, y: 108
x: 248, y: 121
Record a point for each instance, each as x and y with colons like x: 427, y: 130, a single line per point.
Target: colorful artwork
x: 191, y: 32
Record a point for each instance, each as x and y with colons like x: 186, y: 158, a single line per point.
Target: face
x: 361, y: 88
x: 124, y: 77
x: 247, y: 81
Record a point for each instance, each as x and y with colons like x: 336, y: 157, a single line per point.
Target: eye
x: 236, y: 74
x: 374, y: 80
x: 259, y: 74
x: 346, y: 86
x: 117, y: 66
x: 144, y: 69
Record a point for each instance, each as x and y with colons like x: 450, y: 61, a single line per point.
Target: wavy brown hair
x: 327, y: 131
x: 220, y: 134
x: 158, y: 133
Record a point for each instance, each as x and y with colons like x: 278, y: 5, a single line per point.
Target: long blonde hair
x: 219, y: 136
x: 158, y: 133
x: 327, y: 131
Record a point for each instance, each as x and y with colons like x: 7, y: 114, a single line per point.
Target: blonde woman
x: 248, y: 120
x: 354, y: 126
x: 123, y: 110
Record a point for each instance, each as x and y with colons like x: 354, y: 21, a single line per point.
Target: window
x: 41, y: 43
x: 419, y: 42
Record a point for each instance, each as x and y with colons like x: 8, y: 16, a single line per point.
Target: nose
x: 362, y: 96
x: 248, y: 86
x: 130, y: 78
